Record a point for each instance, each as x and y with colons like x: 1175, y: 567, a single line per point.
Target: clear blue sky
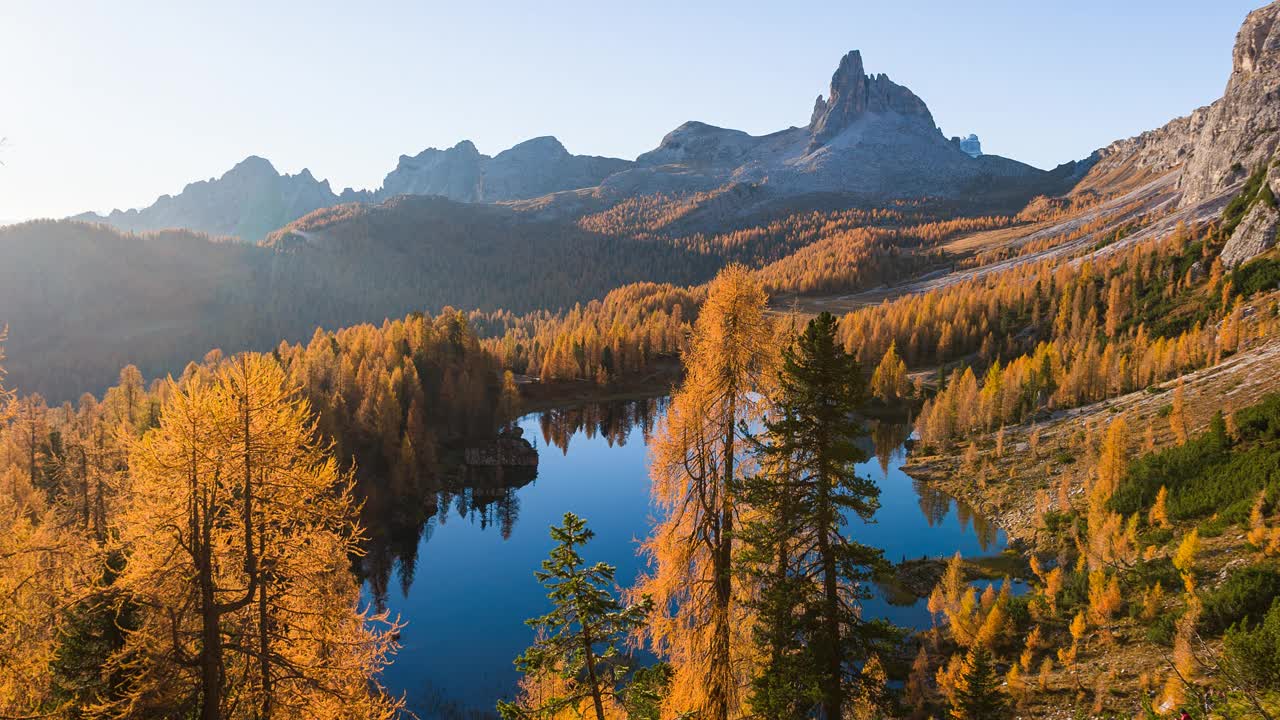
x: 110, y: 104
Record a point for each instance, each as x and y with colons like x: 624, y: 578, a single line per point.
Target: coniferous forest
x: 846, y: 421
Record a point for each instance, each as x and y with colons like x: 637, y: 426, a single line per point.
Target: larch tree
x: 889, y: 381
x: 699, y: 621
x: 43, y: 568
x: 238, y: 538
x: 816, y: 599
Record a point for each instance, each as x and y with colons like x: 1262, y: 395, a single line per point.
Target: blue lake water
x: 460, y: 573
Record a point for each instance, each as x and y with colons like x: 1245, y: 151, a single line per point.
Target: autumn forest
x: 850, y: 421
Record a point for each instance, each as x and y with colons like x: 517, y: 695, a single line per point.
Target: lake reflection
x: 462, y: 549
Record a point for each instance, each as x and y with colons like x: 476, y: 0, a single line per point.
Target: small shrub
x: 1148, y: 572
x: 1157, y: 536
x: 1255, y: 651
x: 1213, y: 527
x: 1162, y: 629
x: 1245, y: 596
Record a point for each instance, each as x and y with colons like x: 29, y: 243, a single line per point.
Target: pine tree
x: 977, y: 695
x: 577, y: 640
x: 815, y: 585
x: 786, y: 682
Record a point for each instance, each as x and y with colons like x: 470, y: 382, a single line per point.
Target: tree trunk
x: 591, y: 673
x: 31, y: 421
x: 721, y: 673
x: 783, y: 561
x: 832, y: 662
x: 210, y: 632
x: 264, y: 645
x: 84, y: 476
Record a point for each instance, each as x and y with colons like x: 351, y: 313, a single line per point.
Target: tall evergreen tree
x: 813, y: 576
x: 578, y: 639
x: 978, y: 695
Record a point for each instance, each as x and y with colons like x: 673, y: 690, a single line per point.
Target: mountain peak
x: 854, y: 93
x: 467, y: 147
x: 253, y: 165
x: 545, y: 145
x: 1258, y: 43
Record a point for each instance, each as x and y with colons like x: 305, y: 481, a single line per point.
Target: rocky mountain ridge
x: 253, y: 198
x: 868, y: 137
x: 1221, y: 155
x: 1217, y: 146
x: 248, y: 201
x: 529, y: 169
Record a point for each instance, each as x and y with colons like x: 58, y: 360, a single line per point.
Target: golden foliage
x: 889, y: 380
x: 238, y: 531
x: 699, y: 624
x: 1159, y: 513
x: 1152, y: 601
x: 1184, y: 558
x: 917, y: 688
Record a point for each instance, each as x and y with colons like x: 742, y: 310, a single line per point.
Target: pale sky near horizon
x: 110, y: 104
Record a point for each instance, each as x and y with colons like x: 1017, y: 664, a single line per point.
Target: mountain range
x: 869, y: 138
x: 536, y: 229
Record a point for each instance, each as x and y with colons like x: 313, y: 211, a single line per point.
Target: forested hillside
x: 82, y: 300
x: 215, y: 455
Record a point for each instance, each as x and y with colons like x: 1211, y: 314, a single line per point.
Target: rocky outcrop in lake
x: 508, y: 449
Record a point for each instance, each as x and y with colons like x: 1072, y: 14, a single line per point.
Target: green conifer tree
x: 577, y: 640
x: 812, y: 577
x: 978, y: 695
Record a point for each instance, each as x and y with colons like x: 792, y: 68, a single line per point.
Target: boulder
x: 1255, y: 235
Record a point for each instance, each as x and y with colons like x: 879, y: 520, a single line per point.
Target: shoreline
x: 658, y: 380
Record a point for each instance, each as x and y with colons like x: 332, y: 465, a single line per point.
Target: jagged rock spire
x: 854, y: 93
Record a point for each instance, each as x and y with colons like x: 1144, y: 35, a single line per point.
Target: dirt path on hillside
x: 1159, y: 195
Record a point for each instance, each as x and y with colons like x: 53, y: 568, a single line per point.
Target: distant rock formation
x: 252, y: 199
x: 248, y: 201
x: 452, y: 173
x: 869, y: 136
x: 530, y: 169
x: 854, y: 94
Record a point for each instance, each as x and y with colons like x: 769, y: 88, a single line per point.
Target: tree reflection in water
x: 402, y: 506
x: 889, y: 440
x: 613, y: 421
